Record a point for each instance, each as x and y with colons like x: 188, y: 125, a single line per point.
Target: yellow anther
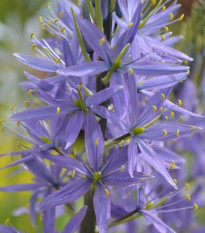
x: 163, y: 96
x: 102, y: 40
x: 26, y: 102
x: 188, y: 71
x: 30, y: 92
x: 185, y: 62
x: 188, y: 197
x: 63, y: 29
x: 153, y: 2
x: 179, y: 103
x: 18, y: 123
x: 48, y: 4
x: 40, y: 19
x: 2, y: 129
x: 49, y: 22
x: 107, y: 192
x: 181, y: 17
x: 41, y: 217
x: 181, y: 119
x: 56, y: 20
x: 33, y: 46
x: 163, y: 37
x: 177, y: 134
x: 161, y: 109
x: 171, y: 16
x: 166, y: 29
x: 163, y: 8
x: 171, y: 166
x: 165, y: 133
x: 61, y: 14
x: 58, y: 110
x: 182, y: 81
x: 1, y: 122
x: 121, y: 143
x: 32, y: 34
x: 73, y: 173
x: 154, y: 108
x: 196, y: 206
x: 130, y: 24
x: 166, y: 118
x: 172, y: 114
x: 130, y: 71
x: 122, y: 168
x: 43, y: 26
x: 27, y: 206
x: 7, y: 221
x: 96, y: 141
x: 175, y: 181
x: 58, y: 60
x: 173, y: 162
x: 74, y: 151
x: 12, y: 107
x: 187, y: 186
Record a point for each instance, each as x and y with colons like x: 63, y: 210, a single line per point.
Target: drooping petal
x: 101, y: 203
x: 94, y: 143
x: 132, y: 153
x: 75, y: 221
x: 38, y: 63
x: 20, y: 187
x: 69, y: 193
x: 49, y: 220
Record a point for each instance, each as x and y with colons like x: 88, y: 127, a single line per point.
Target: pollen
x: 163, y: 37
x: 122, y: 169
x: 175, y: 181
x: 154, y: 108
x: 107, y: 192
x: 121, y: 143
x: 58, y: 60
x: 165, y: 133
x: 33, y: 46
x: 56, y: 20
x: 177, y: 134
x: 166, y: 118
x: 7, y: 221
x: 188, y: 197
x: 73, y: 173
x: 32, y: 34
x: 163, y: 8
x: 171, y: 16
x: 96, y: 141
x: 130, y: 24
x: 12, y: 107
x: 61, y: 14
x: 130, y: 71
x: 179, y: 103
x: 102, y: 40
x: 166, y: 29
x: 187, y: 186
x: 48, y: 4
x: 196, y: 206
x: 41, y: 217
x: 181, y: 17
x: 58, y: 110
x: 163, y: 96
x: 40, y: 19
x: 63, y: 29
x: 181, y: 119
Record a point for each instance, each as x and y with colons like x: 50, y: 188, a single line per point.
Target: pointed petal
x: 132, y: 153
x: 20, y: 187
x: 94, y: 151
x: 7, y: 229
x: 38, y: 63
x: 102, y: 208
x: 49, y: 220
x: 75, y: 221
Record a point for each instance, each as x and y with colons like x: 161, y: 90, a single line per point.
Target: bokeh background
x: 18, y: 18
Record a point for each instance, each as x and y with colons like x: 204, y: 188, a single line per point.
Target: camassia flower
x: 95, y: 176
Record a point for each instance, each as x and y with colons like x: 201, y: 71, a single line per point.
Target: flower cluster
x: 100, y: 124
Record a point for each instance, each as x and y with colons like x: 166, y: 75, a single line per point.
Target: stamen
x: 130, y: 71
x: 107, y: 192
x: 102, y: 40
x: 121, y: 143
x: 166, y: 29
x: 130, y: 24
x: 163, y: 8
x: 49, y: 22
x: 2, y: 130
x: 179, y: 103
x: 33, y: 46
x: 1, y: 122
x: 181, y: 17
x: 73, y: 173
x: 26, y: 102
x: 18, y: 123
x: 122, y: 168
x: 41, y: 217
x: 48, y: 4
x: 58, y: 60
x: 188, y: 197
x: 181, y: 119
x: 61, y: 14
x: 58, y: 110
x: 187, y: 186
x: 196, y: 206
x: 12, y: 107
x: 40, y: 19
x: 171, y: 16
x: 163, y: 37
x: 165, y: 133
x: 56, y: 20
x: 31, y: 36
x: 172, y: 165
x: 175, y: 181
x: 153, y: 2
x: 63, y: 29
x: 7, y: 221
x: 166, y: 117
x: 96, y: 141
x: 163, y: 96
x: 161, y: 109
x: 172, y: 114
x: 74, y: 151
x: 177, y: 134
x: 154, y: 108
x: 188, y: 71
x: 185, y: 62
x: 43, y: 26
